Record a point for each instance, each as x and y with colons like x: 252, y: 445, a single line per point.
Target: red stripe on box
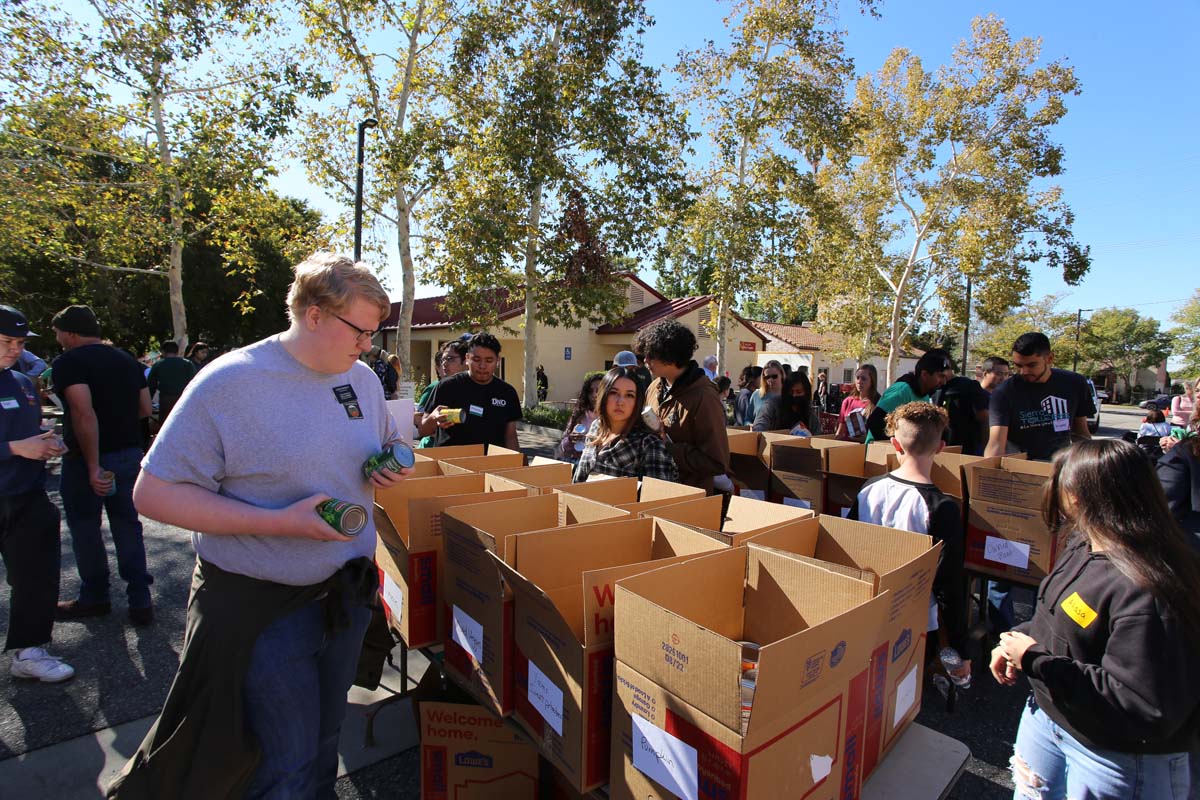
x: 876, y: 706
x: 422, y: 599
x: 598, y: 736
x: 855, y: 741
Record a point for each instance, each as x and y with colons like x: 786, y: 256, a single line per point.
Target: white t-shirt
x: 258, y: 426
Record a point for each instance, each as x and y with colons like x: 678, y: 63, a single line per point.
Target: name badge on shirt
x: 349, y: 400
x: 1061, y: 424
x: 1078, y: 610
x: 9, y: 403
x: 475, y: 411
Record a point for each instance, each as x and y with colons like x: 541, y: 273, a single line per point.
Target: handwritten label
x: 468, y: 633
x: 797, y: 502
x: 1003, y: 551
x: 1078, y: 610
x: 393, y: 597
x: 665, y: 759
x: 546, y: 698
x: 906, y: 695
x: 753, y: 494
x: 821, y: 766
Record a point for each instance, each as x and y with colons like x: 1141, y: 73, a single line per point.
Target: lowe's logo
x: 473, y: 758
x: 903, y: 642
x: 838, y: 653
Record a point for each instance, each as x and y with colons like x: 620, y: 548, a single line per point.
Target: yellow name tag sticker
x: 1078, y: 610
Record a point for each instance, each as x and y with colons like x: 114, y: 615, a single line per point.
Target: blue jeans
x: 1061, y: 767
x: 1000, y: 603
x: 83, y: 519
x: 296, y: 689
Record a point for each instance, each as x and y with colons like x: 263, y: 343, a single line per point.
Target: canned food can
x: 396, y: 456
x: 112, y: 482
x: 346, y: 517
x: 453, y: 415
x: 749, y: 655
x: 651, y: 419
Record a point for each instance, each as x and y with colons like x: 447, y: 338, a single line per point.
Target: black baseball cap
x: 13, y: 324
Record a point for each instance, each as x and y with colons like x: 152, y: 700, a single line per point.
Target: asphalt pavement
x: 123, y: 673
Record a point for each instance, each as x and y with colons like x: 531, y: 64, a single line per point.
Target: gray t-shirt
x: 258, y: 426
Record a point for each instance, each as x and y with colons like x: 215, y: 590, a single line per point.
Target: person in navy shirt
x: 29, y: 522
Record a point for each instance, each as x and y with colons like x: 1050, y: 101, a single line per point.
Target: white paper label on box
x: 468, y: 633
x: 821, y: 766
x: 906, y: 695
x: 845, y: 511
x: 1015, y: 554
x: 393, y: 596
x: 753, y: 494
x: 545, y: 697
x: 666, y: 759
x: 797, y: 502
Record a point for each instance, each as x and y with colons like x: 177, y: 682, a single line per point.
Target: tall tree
x: 179, y: 76
x: 1124, y: 341
x: 1187, y: 336
x: 560, y: 124
x: 1044, y: 316
x: 948, y: 175
x: 391, y: 66
x: 774, y: 112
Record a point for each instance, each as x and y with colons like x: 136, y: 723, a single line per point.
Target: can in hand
x: 112, y: 482
x: 347, y: 518
x: 396, y: 456
x: 453, y: 415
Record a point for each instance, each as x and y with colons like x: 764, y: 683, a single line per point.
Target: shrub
x: 548, y: 416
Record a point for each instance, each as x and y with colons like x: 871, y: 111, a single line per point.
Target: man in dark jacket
x: 686, y: 403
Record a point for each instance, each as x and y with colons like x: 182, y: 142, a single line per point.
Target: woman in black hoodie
x: 1113, y: 649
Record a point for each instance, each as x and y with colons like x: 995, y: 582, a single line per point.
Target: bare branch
x: 86, y: 263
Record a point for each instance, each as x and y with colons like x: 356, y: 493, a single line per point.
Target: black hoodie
x: 1112, y: 665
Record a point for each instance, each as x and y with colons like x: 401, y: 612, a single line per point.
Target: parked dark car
x: 1162, y: 402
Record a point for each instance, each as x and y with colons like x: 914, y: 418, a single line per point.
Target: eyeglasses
x: 772, y: 377
x: 363, y: 335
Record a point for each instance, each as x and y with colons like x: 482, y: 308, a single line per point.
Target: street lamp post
x: 1078, y: 322
x: 369, y: 122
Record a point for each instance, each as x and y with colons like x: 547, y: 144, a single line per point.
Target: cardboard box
x: 625, y: 492
x: 750, y: 456
x: 1009, y: 540
x: 742, y: 518
x: 409, y: 554
x: 799, y: 467
x: 489, y: 463
x: 539, y: 476
x: 679, y: 662
x: 562, y: 582
x: 478, y: 601
x: 467, y: 753
x: 903, y: 564
x: 462, y: 451
x: 654, y: 493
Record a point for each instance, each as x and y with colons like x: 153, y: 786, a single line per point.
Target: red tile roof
x: 427, y: 311
x: 806, y: 337
x: 666, y: 309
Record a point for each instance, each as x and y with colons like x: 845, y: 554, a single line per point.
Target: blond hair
x: 332, y: 283
x: 918, y: 427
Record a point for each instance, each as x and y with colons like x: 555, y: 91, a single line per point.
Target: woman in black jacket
x: 1113, y: 649
x: 792, y: 409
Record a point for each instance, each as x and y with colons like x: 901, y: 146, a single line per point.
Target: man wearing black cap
x: 29, y: 523
x: 104, y: 393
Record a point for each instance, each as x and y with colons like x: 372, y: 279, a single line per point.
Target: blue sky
x: 1132, y: 165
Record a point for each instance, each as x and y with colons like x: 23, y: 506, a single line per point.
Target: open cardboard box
x: 628, y: 493
x: 1006, y: 535
x: 408, y: 519
x: 479, y: 603
x: 492, y: 462
x: 904, y: 564
x: 750, y: 456
x: 562, y: 581
x: 539, y: 476
x: 679, y: 661
x: 798, y: 469
x: 462, y: 451
x: 654, y: 493
x: 742, y: 519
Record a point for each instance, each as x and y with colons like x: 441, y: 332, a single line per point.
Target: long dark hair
x: 800, y: 409
x: 610, y: 378
x: 1117, y: 501
x: 581, y: 403
x: 749, y: 374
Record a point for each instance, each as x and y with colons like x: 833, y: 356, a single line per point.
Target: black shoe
x: 73, y: 609
x: 141, y: 617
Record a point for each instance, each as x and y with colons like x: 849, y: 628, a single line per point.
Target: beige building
x: 570, y: 353
x: 801, y: 346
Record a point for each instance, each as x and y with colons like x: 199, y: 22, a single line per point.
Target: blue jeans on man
x: 295, y: 697
x: 83, y: 507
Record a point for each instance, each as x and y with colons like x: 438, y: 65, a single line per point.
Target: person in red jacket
x: 1113, y: 649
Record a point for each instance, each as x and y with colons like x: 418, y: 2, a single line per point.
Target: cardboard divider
x: 899, y: 563
x: 489, y: 463
x: 562, y: 582
x: 538, y: 476
x: 733, y: 525
x: 614, y: 492
x: 679, y: 663
x: 409, y: 551
x: 478, y: 603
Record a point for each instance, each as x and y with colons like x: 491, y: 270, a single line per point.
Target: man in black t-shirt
x: 488, y: 408
x: 1040, y: 409
x: 966, y: 403
x: 104, y: 393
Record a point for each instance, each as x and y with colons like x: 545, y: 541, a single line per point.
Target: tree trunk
x: 531, y: 282
x: 722, y: 327
x: 408, y: 290
x: 175, y: 195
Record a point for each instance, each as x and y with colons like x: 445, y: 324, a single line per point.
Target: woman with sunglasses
x: 772, y: 383
x: 792, y: 409
x: 619, y: 443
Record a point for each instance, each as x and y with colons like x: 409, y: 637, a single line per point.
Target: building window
x: 847, y: 376
x: 637, y: 296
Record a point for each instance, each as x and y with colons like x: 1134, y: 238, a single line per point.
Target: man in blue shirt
x: 29, y: 522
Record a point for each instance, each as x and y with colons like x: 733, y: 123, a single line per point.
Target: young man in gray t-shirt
x: 257, y: 441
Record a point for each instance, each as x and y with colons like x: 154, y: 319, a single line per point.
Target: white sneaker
x: 34, y: 663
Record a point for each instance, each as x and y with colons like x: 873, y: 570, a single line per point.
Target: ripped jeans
x: 1050, y: 764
